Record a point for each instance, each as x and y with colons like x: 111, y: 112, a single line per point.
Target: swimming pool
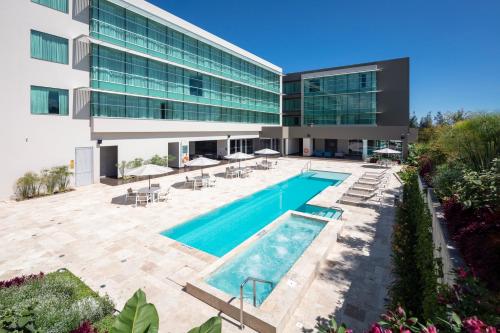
x: 222, y: 229
x: 269, y: 258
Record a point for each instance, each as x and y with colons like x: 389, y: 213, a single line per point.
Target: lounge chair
x: 377, y: 176
x: 355, y: 200
x: 362, y: 193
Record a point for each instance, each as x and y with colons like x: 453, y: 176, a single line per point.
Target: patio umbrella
x: 202, y: 162
x: 149, y: 170
x: 238, y: 156
x: 386, y: 151
x: 266, y: 152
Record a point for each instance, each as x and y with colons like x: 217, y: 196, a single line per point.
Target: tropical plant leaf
x: 213, y: 325
x: 137, y: 316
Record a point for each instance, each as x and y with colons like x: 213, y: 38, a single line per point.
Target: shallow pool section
x: 330, y: 213
x: 269, y: 258
x: 224, y: 228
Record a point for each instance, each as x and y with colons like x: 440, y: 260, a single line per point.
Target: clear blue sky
x: 453, y: 45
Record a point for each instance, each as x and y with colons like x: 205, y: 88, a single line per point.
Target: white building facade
x: 90, y: 83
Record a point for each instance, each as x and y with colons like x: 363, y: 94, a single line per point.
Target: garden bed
x: 54, y: 302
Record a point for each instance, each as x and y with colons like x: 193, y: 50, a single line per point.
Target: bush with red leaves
x: 477, y: 235
x: 20, y: 280
x: 85, y: 327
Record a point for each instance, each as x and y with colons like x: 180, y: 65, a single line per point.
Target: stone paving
x: 116, y: 247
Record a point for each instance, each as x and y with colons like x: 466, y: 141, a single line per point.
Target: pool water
x: 269, y: 258
x: 222, y: 229
x: 330, y: 213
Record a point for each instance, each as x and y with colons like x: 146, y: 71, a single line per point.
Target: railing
x: 306, y: 167
x: 242, y: 285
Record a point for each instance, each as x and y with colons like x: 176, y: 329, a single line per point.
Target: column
x: 307, y: 146
x: 365, y: 149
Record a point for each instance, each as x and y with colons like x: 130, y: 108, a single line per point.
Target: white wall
x: 33, y: 142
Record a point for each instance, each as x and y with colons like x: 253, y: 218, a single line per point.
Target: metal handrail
x: 242, y: 285
x: 306, y: 167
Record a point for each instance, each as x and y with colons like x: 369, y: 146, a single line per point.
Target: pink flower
x: 462, y: 273
x: 473, y: 325
x: 375, y: 328
x: 491, y: 329
x: 400, y: 311
x: 432, y: 329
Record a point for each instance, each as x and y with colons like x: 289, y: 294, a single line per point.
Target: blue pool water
x: 269, y: 258
x: 224, y: 228
x: 330, y: 213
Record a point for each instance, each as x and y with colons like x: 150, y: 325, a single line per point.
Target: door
x: 83, y: 166
x: 109, y: 161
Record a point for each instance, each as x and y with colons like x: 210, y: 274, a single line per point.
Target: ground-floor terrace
x: 117, y: 248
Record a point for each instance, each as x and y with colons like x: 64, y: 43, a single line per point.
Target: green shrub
x: 415, y: 284
x: 49, y: 181
x: 61, y: 176
x: 122, y: 166
x: 447, y: 178
x: 28, y: 186
x: 60, y: 302
x: 480, y: 189
x: 135, y: 163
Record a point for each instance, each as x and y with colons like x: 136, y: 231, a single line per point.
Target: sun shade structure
x: 238, y: 156
x: 149, y: 170
x: 387, y: 151
x: 266, y: 152
x: 201, y: 162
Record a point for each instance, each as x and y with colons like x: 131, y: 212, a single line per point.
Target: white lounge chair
x: 355, y: 200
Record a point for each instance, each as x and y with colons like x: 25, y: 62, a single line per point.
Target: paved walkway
x: 116, y: 248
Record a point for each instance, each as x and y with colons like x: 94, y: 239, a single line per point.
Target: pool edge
x: 279, y: 306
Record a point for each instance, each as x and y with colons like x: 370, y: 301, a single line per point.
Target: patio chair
x: 362, y: 193
x: 189, y: 182
x: 198, y: 183
x: 142, y: 198
x: 231, y: 172
x: 130, y: 194
x: 377, y: 176
x: 164, y: 195
x: 212, y: 180
x: 246, y: 172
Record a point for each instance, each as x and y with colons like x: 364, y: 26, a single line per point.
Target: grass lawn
x: 57, y: 302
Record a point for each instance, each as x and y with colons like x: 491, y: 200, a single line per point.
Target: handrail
x: 306, y: 167
x: 242, y: 285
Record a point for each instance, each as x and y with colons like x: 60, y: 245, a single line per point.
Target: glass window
x: 60, y: 5
x: 49, y: 101
x: 49, y: 47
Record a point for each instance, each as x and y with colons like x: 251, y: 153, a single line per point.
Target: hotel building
x: 91, y: 83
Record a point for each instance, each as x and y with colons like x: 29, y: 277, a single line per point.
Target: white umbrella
x: 267, y: 151
x: 238, y: 156
x: 149, y: 170
x: 386, y: 151
x: 202, y: 162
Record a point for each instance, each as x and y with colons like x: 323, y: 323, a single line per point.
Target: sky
x: 454, y: 46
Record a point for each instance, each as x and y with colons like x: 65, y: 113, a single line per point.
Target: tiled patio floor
x: 116, y: 248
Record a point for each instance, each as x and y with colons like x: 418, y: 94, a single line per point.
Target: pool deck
x: 116, y: 248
